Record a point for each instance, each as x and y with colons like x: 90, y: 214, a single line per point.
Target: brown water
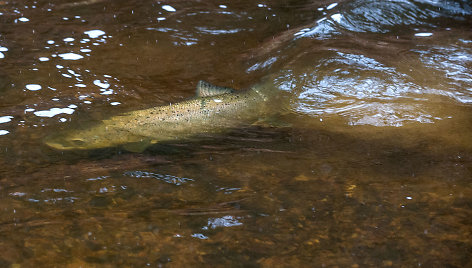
x: 370, y: 167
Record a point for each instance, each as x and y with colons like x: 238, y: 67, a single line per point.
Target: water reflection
x: 55, y: 111
x: 168, y: 8
x: 93, y: 34
x: 453, y: 63
x: 164, y: 177
x: 225, y: 221
x: 356, y: 86
x: 383, y: 16
x: 376, y: 144
x: 3, y: 49
x: 361, y: 86
x: 4, y: 119
x: 71, y: 56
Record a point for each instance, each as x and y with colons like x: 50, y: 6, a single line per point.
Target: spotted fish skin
x: 213, y: 110
x: 205, y: 89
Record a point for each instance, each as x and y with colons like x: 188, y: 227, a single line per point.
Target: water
x: 371, y: 165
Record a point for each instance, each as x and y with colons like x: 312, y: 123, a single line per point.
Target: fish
x: 213, y: 109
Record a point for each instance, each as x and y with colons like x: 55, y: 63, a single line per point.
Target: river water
x: 370, y: 166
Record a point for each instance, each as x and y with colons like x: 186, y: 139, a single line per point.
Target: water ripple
x: 383, y: 16
x: 163, y: 177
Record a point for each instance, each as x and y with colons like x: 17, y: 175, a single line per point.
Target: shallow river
x: 369, y: 164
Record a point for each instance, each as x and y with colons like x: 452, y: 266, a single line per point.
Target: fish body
x: 213, y: 109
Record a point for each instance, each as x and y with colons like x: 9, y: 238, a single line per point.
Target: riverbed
x: 369, y: 164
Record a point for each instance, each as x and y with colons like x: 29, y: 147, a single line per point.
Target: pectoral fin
x: 205, y: 89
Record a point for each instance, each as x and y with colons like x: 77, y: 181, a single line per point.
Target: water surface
x: 371, y: 164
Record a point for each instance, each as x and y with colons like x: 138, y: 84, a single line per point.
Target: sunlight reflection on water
x: 374, y: 144
x: 164, y: 177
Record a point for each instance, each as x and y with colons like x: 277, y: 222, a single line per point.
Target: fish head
x: 63, y: 143
x: 77, y: 140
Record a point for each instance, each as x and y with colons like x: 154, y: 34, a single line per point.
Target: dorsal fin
x: 205, y: 89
